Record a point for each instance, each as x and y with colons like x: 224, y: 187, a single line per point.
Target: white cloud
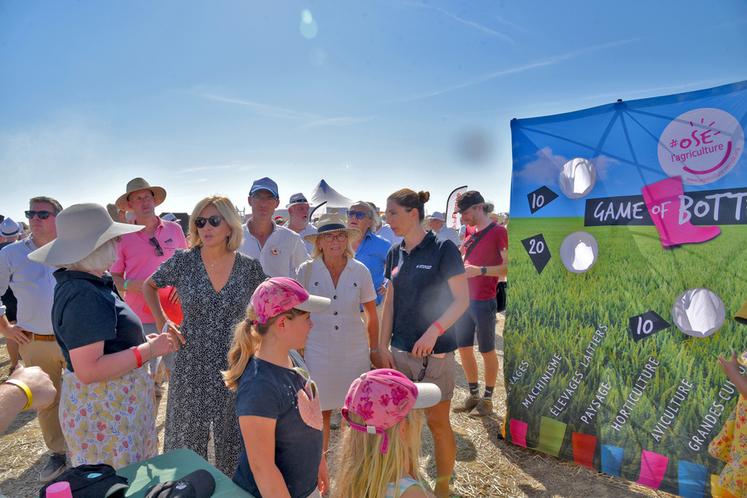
x: 546, y: 167
x: 466, y: 22
x: 550, y: 61
x: 338, y: 121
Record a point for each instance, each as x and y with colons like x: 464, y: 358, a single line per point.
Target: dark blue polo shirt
x: 88, y: 309
x: 421, y: 290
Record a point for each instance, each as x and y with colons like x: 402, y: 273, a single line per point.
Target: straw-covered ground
x: 486, y: 465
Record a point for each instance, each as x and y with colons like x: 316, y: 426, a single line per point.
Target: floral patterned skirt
x: 110, y: 422
x: 730, y: 446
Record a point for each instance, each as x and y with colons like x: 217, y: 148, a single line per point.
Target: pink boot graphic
x: 663, y: 203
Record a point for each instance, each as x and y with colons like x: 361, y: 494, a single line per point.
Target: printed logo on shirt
x: 424, y: 267
x: 168, y: 241
x: 275, y: 251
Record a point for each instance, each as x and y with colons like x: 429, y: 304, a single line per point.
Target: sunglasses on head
x: 43, y: 215
x: 310, y: 386
x: 154, y: 242
x: 358, y: 215
x: 214, y: 221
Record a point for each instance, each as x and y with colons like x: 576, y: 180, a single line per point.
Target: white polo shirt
x: 283, y: 252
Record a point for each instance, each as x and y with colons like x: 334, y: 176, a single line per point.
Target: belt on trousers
x: 39, y: 337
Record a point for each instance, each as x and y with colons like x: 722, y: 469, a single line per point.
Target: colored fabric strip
x: 653, y: 468
x: 612, y: 460
x: 552, y: 433
x: 518, y: 432
x: 584, y: 447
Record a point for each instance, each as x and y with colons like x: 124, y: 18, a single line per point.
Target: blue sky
x: 203, y: 97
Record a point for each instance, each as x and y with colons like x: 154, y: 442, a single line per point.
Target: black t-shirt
x: 271, y: 391
x: 88, y: 309
x: 421, y: 290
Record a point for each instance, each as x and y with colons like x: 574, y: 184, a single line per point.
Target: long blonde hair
x: 247, y: 336
x: 365, y: 472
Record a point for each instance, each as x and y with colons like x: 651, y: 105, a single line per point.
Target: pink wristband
x: 439, y: 327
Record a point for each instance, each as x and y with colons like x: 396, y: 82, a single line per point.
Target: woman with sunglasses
x: 214, y: 283
x: 427, y: 295
x: 370, y: 249
x: 340, y: 346
x: 276, y: 401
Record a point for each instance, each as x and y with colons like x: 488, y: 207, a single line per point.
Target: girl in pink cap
x: 276, y: 401
x: 379, y: 456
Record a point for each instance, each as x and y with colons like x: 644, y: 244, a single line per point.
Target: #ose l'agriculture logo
x: 701, y: 145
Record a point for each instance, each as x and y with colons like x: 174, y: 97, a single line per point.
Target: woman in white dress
x: 340, y: 347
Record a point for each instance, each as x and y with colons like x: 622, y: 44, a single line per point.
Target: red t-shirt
x: 487, y: 252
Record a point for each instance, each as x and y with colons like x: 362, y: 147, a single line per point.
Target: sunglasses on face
x: 310, y: 386
x: 154, y: 242
x: 340, y: 236
x: 358, y: 215
x: 43, y: 215
x: 214, y: 221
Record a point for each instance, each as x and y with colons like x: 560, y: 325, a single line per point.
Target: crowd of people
x: 263, y: 331
x: 109, y: 310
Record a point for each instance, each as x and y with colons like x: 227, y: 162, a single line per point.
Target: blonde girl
x: 380, y: 448
x: 276, y: 401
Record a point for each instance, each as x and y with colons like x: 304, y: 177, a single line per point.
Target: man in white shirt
x: 33, y: 286
x: 298, y: 218
x: 437, y: 223
x: 278, y: 249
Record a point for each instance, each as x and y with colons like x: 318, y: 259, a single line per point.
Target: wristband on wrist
x: 483, y: 270
x: 439, y: 327
x: 26, y: 390
x: 138, y: 356
x: 373, y: 350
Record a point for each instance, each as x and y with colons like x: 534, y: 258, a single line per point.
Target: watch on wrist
x: 483, y: 270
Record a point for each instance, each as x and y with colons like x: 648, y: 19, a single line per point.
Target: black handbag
x: 91, y: 481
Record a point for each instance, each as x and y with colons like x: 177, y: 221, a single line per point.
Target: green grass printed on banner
x: 558, y: 311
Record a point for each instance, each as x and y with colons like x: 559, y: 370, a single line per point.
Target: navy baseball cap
x: 264, y: 184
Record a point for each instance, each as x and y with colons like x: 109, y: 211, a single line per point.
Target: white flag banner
x: 452, y: 220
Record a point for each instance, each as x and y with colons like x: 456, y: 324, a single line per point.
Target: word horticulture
x: 635, y: 395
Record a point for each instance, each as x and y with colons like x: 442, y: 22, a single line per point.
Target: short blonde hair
x: 317, y: 251
x: 228, y: 211
x: 102, y: 258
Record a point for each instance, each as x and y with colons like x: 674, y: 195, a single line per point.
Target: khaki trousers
x: 47, y: 356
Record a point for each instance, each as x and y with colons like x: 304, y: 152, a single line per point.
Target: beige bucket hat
x: 332, y: 222
x: 81, y: 229
x: 159, y: 193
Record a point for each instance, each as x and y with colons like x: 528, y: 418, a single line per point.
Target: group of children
x: 280, y: 418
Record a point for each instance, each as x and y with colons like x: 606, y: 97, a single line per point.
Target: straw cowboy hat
x: 159, y: 193
x: 331, y: 222
x: 81, y: 229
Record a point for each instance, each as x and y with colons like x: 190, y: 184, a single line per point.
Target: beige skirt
x: 110, y: 422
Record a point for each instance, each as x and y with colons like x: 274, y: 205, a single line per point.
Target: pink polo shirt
x: 137, y: 259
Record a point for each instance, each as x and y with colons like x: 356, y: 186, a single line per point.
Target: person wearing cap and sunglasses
x: 139, y: 254
x: 214, y: 283
x: 279, y: 250
x: 484, y: 251
x: 33, y: 286
x: 106, y: 398
x: 277, y: 402
x: 381, y: 446
x: 298, y: 218
x: 427, y: 294
x: 340, y: 346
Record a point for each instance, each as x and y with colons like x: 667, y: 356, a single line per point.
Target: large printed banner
x: 628, y: 264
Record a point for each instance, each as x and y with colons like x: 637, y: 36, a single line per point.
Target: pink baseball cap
x: 280, y: 294
x: 383, y: 398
